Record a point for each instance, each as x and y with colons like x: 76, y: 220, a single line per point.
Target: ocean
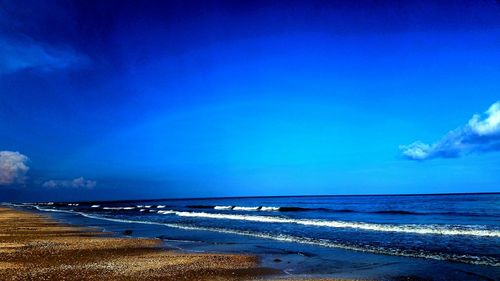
x: 424, y: 237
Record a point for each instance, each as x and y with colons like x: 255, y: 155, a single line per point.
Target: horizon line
x: 274, y: 196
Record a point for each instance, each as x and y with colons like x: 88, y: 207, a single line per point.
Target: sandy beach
x: 33, y: 247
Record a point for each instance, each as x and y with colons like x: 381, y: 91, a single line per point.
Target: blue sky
x: 125, y: 99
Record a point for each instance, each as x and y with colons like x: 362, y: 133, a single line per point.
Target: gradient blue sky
x: 148, y: 99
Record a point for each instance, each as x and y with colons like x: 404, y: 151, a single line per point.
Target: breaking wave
x: 303, y: 209
x: 401, y: 228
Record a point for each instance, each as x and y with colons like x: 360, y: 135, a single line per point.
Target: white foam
x: 160, y: 206
x: 244, y: 208
x: 166, y: 212
x: 223, y: 207
x: 95, y: 206
x: 142, y: 210
x: 147, y: 206
x: 402, y: 228
x: 118, y: 208
x: 267, y: 209
x: 54, y: 210
x: 238, y: 208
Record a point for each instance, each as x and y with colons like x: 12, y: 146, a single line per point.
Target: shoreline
x: 33, y: 246
x: 38, y: 247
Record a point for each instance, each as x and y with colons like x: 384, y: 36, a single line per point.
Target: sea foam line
x: 490, y: 261
x: 406, y: 228
x: 238, y: 208
x: 246, y: 208
x: 223, y: 207
x: 118, y: 208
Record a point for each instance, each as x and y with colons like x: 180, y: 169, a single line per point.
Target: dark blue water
x: 376, y: 231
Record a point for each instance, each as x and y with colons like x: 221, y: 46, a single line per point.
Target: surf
x: 401, y: 228
x: 470, y: 259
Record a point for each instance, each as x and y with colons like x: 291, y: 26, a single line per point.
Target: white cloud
x: 74, y: 183
x: 490, y: 125
x: 417, y: 150
x: 480, y: 134
x: 13, y: 167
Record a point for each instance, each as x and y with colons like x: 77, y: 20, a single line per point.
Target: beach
x: 37, y: 248
x: 298, y: 238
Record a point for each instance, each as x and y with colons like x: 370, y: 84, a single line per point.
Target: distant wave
x: 118, y: 208
x: 478, y: 260
x: 272, y: 209
x: 277, y: 209
x: 238, y: 208
x: 223, y: 207
x: 403, y: 228
x: 329, y: 210
x: 151, y: 206
x: 255, y: 208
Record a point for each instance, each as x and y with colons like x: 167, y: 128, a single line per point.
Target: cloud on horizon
x: 74, y: 183
x: 26, y: 53
x: 13, y: 167
x: 481, y: 134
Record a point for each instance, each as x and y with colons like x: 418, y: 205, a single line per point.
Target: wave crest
x: 401, y: 228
